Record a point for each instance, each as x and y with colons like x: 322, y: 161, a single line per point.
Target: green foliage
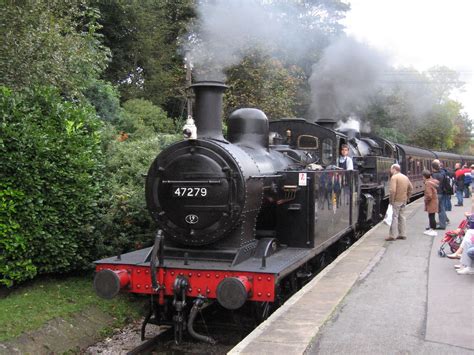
x: 443, y: 81
x: 462, y: 135
x: 126, y: 223
x: 51, y: 168
x: 438, y: 130
x: 142, y: 118
x: 142, y: 36
x: 51, y: 43
x: 15, y: 266
x: 418, y: 111
x: 392, y: 134
x: 263, y: 82
x: 105, y: 99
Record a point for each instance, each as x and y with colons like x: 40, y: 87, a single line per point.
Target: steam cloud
x: 351, y: 74
x: 353, y: 122
x: 226, y: 31
x: 344, y: 79
x: 343, y: 82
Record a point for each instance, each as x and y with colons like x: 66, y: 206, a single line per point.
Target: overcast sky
x: 421, y: 34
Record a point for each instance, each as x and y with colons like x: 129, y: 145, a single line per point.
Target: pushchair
x: 453, y: 238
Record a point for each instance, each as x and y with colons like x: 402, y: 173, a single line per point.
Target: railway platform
x: 378, y: 297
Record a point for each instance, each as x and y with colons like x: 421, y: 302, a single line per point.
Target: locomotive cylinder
x: 208, y: 108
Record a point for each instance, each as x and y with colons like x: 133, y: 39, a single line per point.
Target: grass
x: 31, y: 306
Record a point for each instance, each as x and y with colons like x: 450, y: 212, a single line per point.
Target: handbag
x: 388, y: 216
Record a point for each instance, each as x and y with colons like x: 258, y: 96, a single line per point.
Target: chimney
x: 208, y: 108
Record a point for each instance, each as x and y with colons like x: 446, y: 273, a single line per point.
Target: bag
x: 447, y: 186
x: 467, y: 178
x: 388, y: 216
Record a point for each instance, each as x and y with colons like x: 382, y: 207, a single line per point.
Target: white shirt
x: 348, y: 160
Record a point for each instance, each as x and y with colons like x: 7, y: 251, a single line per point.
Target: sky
x: 420, y: 34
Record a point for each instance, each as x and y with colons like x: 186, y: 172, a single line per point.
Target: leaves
x: 263, y: 82
x: 142, y: 36
x: 125, y: 221
x: 417, y: 110
x: 50, y: 173
x: 51, y: 43
x: 142, y: 118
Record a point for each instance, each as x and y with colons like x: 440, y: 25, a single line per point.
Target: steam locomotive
x: 247, y: 219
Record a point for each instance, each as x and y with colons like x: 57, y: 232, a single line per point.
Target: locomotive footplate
x: 204, y: 278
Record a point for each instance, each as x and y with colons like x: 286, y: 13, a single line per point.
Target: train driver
x: 345, y: 161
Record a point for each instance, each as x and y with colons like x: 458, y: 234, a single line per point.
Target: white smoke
x: 343, y: 80
x: 350, y: 75
x: 353, y: 122
x: 225, y: 31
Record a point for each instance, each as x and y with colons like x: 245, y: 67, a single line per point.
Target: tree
x: 51, y: 43
x: 414, y: 107
x: 436, y: 131
x: 141, y: 118
x: 263, y: 82
x: 142, y: 36
x: 443, y: 81
x: 105, y: 98
x: 463, y: 132
x: 317, y: 23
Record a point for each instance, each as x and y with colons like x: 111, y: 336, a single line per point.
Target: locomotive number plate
x: 190, y: 191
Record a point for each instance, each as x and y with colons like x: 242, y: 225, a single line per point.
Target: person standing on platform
x: 467, y: 182
x: 431, y: 201
x: 440, y: 176
x: 345, y: 161
x: 447, y: 189
x: 459, y: 183
x: 472, y: 177
x: 400, y: 192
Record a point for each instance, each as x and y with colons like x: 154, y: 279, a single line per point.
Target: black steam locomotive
x: 248, y: 218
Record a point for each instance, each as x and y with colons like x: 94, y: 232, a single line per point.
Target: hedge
x: 50, y: 182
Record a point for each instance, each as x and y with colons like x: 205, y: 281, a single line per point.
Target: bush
x: 105, y: 99
x: 15, y: 265
x: 50, y: 178
x: 142, y: 119
x: 126, y: 223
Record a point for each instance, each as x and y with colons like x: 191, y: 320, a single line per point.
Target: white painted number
x: 190, y: 192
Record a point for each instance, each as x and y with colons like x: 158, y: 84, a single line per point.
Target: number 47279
x: 190, y: 192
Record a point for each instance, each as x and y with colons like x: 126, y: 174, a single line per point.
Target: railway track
x: 226, y: 334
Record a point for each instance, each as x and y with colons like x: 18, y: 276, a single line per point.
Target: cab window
x: 327, y: 151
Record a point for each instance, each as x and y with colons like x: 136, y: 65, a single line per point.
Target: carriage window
x: 327, y: 151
